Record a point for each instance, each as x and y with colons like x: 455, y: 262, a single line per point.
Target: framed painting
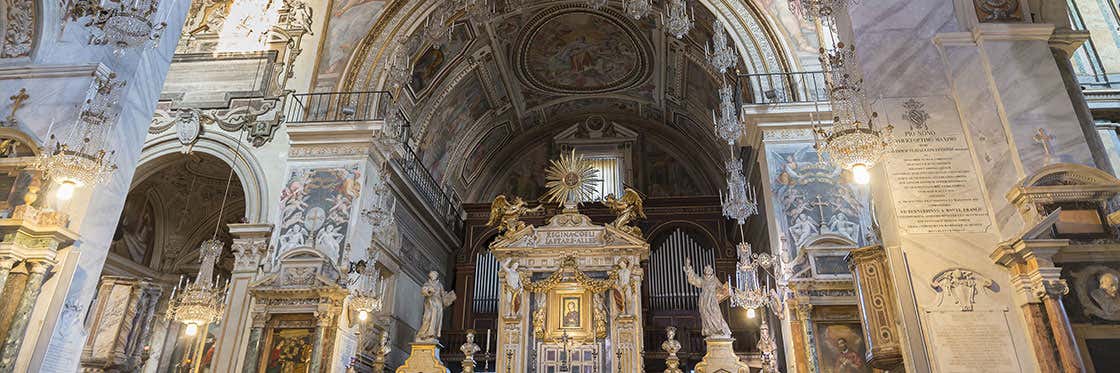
x: 841, y: 348
x: 288, y: 344
x: 569, y: 313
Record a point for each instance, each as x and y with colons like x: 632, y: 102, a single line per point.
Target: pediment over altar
x: 570, y: 234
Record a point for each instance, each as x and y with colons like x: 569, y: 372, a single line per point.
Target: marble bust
x: 1107, y: 295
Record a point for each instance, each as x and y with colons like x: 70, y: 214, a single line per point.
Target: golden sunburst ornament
x: 570, y: 180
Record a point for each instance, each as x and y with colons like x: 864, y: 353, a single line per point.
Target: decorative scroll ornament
x: 80, y: 157
x: 188, y: 126
x: 740, y: 202
x: 727, y: 123
x: 637, y: 9
x: 679, y: 21
x: 569, y: 266
x: 853, y: 141
x: 247, y: 117
x: 961, y: 285
x: 200, y: 302
x: 570, y: 181
x: 120, y: 24
x: 720, y: 54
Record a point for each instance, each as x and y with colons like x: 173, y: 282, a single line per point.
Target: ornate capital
x: 1051, y: 288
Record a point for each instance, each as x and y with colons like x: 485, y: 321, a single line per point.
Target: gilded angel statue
x: 626, y: 209
x: 506, y: 215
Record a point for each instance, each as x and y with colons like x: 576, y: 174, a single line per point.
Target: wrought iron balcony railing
x: 338, y: 106
x: 443, y: 201
x: 783, y: 88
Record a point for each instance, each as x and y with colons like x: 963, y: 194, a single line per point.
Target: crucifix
x: 17, y: 103
x: 820, y: 204
x: 1042, y: 137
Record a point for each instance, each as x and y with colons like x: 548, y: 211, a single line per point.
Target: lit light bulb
x: 191, y: 330
x: 750, y: 313
x: 860, y: 174
x: 363, y: 315
x: 66, y: 190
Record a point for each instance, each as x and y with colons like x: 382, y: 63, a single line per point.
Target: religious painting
x: 184, y: 353
x: 289, y: 351
x: 667, y: 175
x: 432, y: 63
x: 17, y: 188
x: 135, y: 235
x: 315, y: 208
x: 349, y: 23
x: 570, y: 315
x: 490, y: 143
x: 841, y: 348
x: 814, y: 198
x: 579, y: 51
x: 451, y: 117
x: 524, y: 178
x: 569, y: 311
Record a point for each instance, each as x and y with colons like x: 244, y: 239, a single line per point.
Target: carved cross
x: 17, y: 103
x: 1042, y: 137
x: 820, y: 204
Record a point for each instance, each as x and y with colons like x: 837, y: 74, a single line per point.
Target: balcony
x: 783, y: 99
x: 328, y: 107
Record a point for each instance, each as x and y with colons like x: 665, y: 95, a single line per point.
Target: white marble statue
x: 513, y: 285
x: 1107, y: 295
x: 803, y: 228
x: 435, y: 300
x: 712, y: 293
x: 844, y: 227
x: 627, y: 287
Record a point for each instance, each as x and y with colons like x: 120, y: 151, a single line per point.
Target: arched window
x: 668, y: 287
x: 486, y: 286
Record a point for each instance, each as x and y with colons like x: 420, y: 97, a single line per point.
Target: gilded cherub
x: 626, y: 209
x: 506, y: 216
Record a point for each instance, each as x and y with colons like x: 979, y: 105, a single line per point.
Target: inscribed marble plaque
x: 930, y: 170
x: 974, y: 341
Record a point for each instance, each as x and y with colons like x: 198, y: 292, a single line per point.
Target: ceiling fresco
x: 511, y: 81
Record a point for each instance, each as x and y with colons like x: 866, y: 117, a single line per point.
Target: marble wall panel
x: 1034, y: 98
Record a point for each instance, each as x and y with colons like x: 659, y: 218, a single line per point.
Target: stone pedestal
x: 124, y: 310
x: 423, y: 359
x: 720, y: 357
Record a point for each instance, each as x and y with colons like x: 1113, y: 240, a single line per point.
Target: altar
x: 571, y: 288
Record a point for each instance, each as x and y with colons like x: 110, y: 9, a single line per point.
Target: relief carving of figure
x: 844, y: 227
x: 506, y: 215
x: 512, y: 288
x: 962, y: 285
x: 600, y: 316
x: 628, y: 287
x: 435, y: 300
x: 539, y: 315
x: 712, y: 293
x: 1107, y: 293
x: 1098, y: 290
x: 803, y: 229
x: 626, y: 209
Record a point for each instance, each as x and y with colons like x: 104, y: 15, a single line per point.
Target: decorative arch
x: 750, y: 28
x: 220, y: 145
x: 1069, y: 174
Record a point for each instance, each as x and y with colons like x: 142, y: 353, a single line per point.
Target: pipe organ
x: 486, y: 284
x: 668, y: 287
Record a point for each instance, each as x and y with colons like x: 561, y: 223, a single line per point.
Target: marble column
x: 797, y: 327
x: 36, y: 272
x: 253, y: 348
x: 1041, y: 338
x: 1051, y: 295
x: 805, y: 314
x: 6, y: 264
x: 325, y: 323
x: 250, y: 246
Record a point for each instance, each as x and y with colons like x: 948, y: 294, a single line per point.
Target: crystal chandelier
x: 80, y: 156
x: 438, y: 30
x: 727, y: 123
x: 366, y: 289
x: 680, y: 18
x: 721, y: 55
x: 380, y: 214
x: 399, y: 69
x: 852, y: 142
x: 749, y: 292
x: 200, y: 302
x: 824, y: 10
x: 637, y: 8
x: 597, y: 4
x: 120, y: 24
x: 740, y: 202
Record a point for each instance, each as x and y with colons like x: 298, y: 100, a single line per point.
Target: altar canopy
x: 571, y: 297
